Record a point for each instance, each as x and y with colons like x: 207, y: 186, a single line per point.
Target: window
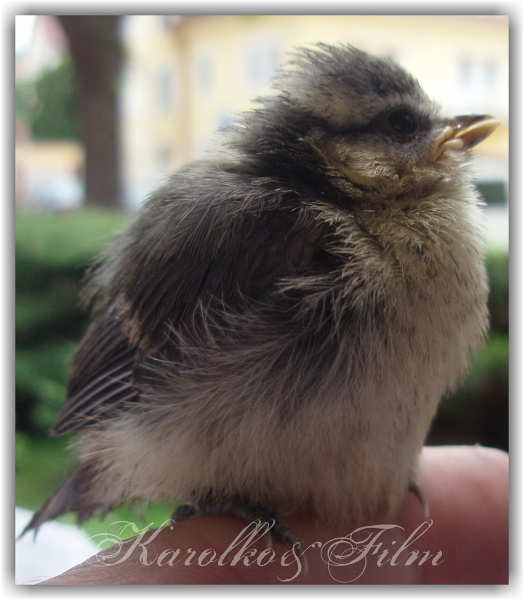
x: 466, y: 74
x: 204, y: 73
x: 262, y: 61
x: 490, y: 73
x: 165, y: 89
x: 479, y: 85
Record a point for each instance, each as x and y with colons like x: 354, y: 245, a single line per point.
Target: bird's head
x: 360, y: 124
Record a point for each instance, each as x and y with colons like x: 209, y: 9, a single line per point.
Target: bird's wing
x: 102, y: 376
x: 157, y: 284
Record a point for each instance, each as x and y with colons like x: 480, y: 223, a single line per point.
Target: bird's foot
x: 414, y: 488
x: 241, y: 508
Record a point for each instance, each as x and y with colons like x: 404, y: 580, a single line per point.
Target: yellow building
x: 187, y: 76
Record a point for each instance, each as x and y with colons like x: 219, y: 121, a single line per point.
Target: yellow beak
x: 463, y: 132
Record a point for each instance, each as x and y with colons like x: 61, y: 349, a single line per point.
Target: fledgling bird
x: 275, y: 330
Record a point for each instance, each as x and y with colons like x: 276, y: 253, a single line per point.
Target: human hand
x: 467, y: 542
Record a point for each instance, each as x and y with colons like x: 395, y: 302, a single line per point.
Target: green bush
x: 49, y: 104
x: 52, y: 252
x: 497, y: 265
x: 479, y: 411
x: 41, y: 374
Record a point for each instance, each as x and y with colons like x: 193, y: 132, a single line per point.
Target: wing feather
x: 177, y: 255
x: 102, y: 377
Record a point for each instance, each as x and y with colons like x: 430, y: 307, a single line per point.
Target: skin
x: 467, y: 490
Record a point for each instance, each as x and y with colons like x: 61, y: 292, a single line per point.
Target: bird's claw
x: 415, y: 488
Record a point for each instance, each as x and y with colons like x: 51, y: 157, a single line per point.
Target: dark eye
x: 402, y: 122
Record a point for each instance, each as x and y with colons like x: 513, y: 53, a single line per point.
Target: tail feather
x: 72, y: 495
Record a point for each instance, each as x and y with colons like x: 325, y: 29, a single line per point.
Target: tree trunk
x: 96, y: 50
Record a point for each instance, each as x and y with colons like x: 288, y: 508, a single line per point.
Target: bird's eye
x: 402, y: 122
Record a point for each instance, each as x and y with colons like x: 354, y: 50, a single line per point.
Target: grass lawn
x: 42, y: 463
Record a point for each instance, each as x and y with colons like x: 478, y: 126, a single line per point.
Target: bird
x: 274, y: 331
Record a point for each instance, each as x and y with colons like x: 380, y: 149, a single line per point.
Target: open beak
x: 464, y: 132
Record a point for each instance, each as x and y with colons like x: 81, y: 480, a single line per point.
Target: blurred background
x: 107, y: 106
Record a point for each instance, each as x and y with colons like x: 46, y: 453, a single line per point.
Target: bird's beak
x: 461, y: 133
